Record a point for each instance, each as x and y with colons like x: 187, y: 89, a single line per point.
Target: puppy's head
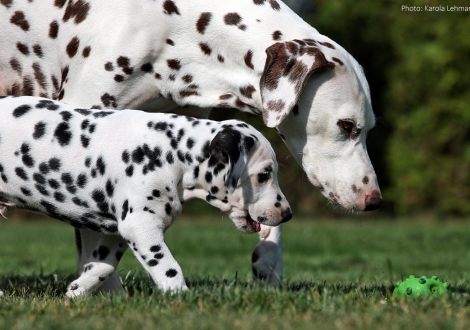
x: 245, y: 164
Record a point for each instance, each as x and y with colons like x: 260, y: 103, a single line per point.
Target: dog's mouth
x: 244, y: 222
x: 253, y: 224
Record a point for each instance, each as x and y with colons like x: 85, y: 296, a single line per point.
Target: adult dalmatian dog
x: 188, y: 56
x: 128, y: 173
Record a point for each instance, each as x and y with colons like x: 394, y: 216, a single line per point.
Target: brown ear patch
x: 275, y: 63
x: 282, y: 60
x: 276, y: 106
x: 287, y: 69
x: 298, y: 71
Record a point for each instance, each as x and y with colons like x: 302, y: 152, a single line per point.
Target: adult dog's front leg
x: 144, y: 235
x: 267, y: 255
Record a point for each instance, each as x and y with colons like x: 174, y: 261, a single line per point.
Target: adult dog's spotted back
x: 191, y: 55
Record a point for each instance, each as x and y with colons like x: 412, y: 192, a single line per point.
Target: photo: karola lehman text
x: 435, y: 8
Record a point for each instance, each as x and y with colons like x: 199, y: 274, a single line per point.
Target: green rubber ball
x: 419, y: 287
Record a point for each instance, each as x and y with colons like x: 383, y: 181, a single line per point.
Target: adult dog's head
x: 317, y: 96
x: 242, y: 171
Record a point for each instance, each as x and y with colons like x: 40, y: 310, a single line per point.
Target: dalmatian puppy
x: 125, y: 175
x: 188, y: 56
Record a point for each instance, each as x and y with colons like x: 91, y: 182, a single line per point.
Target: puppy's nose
x: 373, y: 201
x: 286, y: 215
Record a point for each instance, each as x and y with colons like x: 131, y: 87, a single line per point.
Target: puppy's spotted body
x: 125, y: 175
x: 187, y: 56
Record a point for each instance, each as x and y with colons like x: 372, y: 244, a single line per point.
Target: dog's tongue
x: 255, y: 225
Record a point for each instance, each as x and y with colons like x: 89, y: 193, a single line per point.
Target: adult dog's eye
x: 349, y: 127
x: 346, y: 125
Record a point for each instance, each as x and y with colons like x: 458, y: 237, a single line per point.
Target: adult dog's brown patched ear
x: 288, y: 66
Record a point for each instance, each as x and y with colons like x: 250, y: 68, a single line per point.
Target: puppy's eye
x: 265, y: 174
x: 263, y: 177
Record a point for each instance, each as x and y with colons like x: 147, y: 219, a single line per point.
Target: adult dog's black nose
x: 373, y: 201
x: 286, y: 215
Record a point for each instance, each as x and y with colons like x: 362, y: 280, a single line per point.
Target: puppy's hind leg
x: 86, y: 240
x: 100, y: 265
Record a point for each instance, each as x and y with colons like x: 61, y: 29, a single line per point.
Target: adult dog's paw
x: 267, y: 262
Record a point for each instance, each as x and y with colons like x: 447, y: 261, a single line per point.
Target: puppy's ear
x: 230, y: 147
x: 287, y: 69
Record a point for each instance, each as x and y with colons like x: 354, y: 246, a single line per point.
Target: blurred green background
x: 418, y: 68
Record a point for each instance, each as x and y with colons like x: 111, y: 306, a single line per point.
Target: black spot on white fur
x: 63, y: 134
x: 21, y: 110
x: 171, y: 272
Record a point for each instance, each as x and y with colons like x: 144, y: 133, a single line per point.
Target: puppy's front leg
x: 144, y: 235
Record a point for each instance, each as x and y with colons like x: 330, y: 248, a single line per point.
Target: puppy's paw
x: 74, y: 291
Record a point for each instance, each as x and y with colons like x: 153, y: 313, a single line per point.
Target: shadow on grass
x: 26, y: 286
x: 55, y: 285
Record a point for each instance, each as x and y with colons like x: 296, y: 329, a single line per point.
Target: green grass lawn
x: 337, y: 275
